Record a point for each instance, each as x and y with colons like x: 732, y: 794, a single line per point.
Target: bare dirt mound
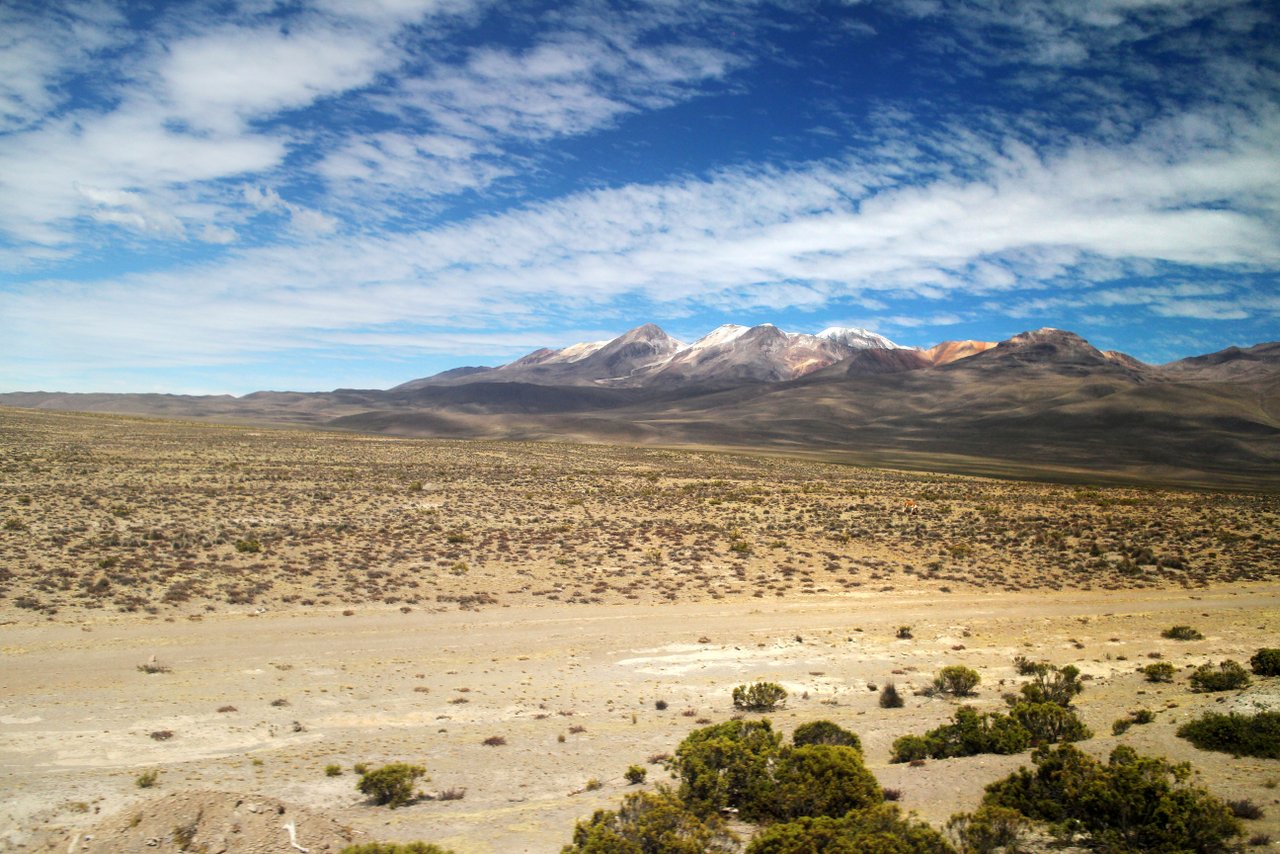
x: 212, y: 823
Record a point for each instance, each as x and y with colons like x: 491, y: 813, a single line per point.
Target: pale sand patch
x: 532, y: 674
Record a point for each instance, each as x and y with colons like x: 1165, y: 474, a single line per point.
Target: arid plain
x: 313, y: 599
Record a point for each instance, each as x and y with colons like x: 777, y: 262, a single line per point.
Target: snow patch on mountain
x: 718, y: 336
x: 578, y: 352
x: 858, y: 338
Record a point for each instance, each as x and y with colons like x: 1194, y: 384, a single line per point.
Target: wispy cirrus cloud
x: 485, y: 110
x: 435, y: 174
x: 743, y: 239
x: 565, y: 86
x: 41, y: 49
x: 1203, y: 301
x: 200, y: 103
x: 185, y: 107
x: 220, y: 80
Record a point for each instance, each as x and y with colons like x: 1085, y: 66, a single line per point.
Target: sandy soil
x: 319, y: 599
x: 383, y: 686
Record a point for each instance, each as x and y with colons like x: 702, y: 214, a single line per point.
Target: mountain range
x: 1042, y: 403
x: 648, y: 357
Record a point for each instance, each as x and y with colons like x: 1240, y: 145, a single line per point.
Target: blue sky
x: 232, y: 196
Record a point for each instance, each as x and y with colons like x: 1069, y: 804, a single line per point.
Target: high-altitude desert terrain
x: 313, y: 599
x: 1042, y: 403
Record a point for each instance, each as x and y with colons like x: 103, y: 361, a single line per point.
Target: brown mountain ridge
x: 1042, y: 403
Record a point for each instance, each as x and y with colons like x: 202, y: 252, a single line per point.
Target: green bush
x: 396, y: 848
x: 635, y: 774
x: 1242, y: 735
x: 969, y: 734
x: 808, y: 836
x: 1183, y: 633
x: 1161, y: 671
x: 1141, y: 716
x: 972, y: 733
x: 760, y: 697
x: 818, y: 779
x: 391, y: 785
x: 654, y: 822
x: 1226, y: 676
x: 957, y: 679
x: 1049, y: 723
x: 1051, y: 684
x: 726, y: 765
x: 1266, y: 662
x: 911, y: 748
x: 147, y: 779
x: 881, y: 829
x: 1132, y: 804
x: 990, y: 828
x: 248, y: 546
x: 332, y: 770
x: 825, y: 732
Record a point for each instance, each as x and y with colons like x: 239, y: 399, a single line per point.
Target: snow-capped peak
x: 720, y: 335
x: 578, y: 352
x: 859, y: 339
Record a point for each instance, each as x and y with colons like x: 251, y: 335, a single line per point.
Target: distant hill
x: 1257, y: 362
x: 647, y: 356
x: 1044, y: 402
x: 950, y: 351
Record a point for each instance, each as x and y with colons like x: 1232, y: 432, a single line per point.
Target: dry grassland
x: 315, y: 599
x: 129, y: 515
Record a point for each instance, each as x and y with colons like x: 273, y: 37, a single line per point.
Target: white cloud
x: 190, y: 135
x: 129, y: 152
x: 904, y: 321
x: 196, y: 103
x: 395, y: 11
x: 311, y: 223
x: 39, y: 52
x: 460, y: 342
x: 420, y: 165
x: 1071, y: 33
x: 143, y: 148
x: 129, y: 209
x: 1201, y: 309
x: 740, y: 240
x: 482, y: 110
x: 568, y: 85
x: 263, y: 198
x: 175, y: 113
x: 1194, y: 300
x: 216, y: 234
x: 303, y: 220
x: 221, y: 79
